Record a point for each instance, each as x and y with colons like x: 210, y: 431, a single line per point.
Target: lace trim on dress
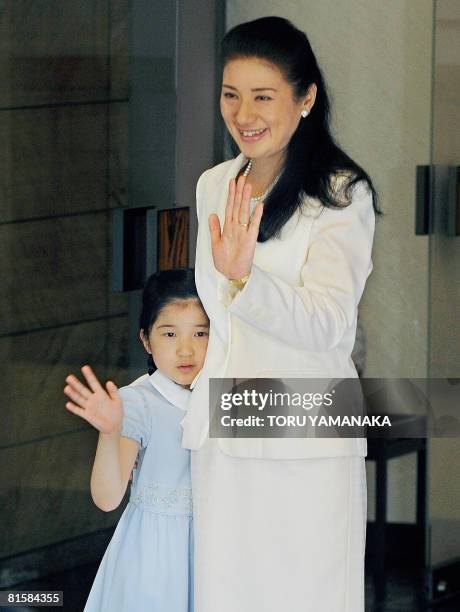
x: 164, y: 500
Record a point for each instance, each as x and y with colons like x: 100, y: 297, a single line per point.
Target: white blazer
x: 295, y: 317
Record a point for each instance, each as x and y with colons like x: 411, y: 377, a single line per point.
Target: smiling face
x: 259, y: 107
x: 178, y: 340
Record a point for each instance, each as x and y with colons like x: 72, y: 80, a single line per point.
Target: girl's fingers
x: 112, y: 390
x: 76, y: 410
x: 75, y: 396
x: 238, y: 197
x: 77, y: 386
x: 91, y: 379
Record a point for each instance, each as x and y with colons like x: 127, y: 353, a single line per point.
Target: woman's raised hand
x: 233, y: 247
x: 102, y: 408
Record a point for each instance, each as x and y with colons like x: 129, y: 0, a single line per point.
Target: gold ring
x: 244, y: 224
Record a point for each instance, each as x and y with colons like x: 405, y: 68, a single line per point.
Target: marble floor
x: 403, y: 592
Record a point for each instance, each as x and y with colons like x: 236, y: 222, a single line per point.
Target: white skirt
x: 275, y: 535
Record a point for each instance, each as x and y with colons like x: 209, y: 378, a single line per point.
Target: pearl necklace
x: 248, y: 168
x: 269, y: 188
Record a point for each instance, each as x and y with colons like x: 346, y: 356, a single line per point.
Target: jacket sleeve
x: 315, y: 315
x: 204, y: 179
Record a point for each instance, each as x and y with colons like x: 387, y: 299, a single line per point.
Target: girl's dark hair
x: 313, y: 159
x: 161, y: 289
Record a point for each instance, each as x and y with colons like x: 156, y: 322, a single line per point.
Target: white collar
x: 174, y: 393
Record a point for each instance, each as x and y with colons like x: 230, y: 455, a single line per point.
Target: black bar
x: 134, y: 247
x: 453, y: 202
x: 381, y: 487
x: 422, y: 200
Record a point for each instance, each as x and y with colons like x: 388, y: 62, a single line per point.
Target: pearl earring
x: 305, y: 113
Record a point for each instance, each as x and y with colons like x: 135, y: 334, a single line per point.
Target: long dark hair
x: 314, y: 161
x: 161, y: 289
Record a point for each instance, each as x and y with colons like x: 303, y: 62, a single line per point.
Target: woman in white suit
x: 283, y: 254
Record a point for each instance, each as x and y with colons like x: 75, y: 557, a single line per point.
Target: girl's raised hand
x: 233, y: 247
x: 102, y: 408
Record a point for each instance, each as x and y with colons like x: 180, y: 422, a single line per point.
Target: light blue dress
x: 148, y: 565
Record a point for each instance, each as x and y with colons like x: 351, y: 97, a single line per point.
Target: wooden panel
x: 173, y: 233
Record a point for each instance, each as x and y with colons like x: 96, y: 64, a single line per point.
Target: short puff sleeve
x: 137, y: 417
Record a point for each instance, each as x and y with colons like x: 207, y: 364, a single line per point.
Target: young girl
x: 148, y: 564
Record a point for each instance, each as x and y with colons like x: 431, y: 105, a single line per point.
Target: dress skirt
x: 275, y: 535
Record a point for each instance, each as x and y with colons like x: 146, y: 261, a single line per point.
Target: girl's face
x: 178, y: 340
x: 259, y: 107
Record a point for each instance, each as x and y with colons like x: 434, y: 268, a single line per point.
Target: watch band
x: 239, y: 283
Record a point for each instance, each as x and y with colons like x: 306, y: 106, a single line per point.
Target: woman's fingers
x: 244, y: 213
x: 230, y: 203
x: 238, y: 199
x: 91, y: 379
x: 233, y: 248
x: 214, y: 228
x: 255, y: 220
